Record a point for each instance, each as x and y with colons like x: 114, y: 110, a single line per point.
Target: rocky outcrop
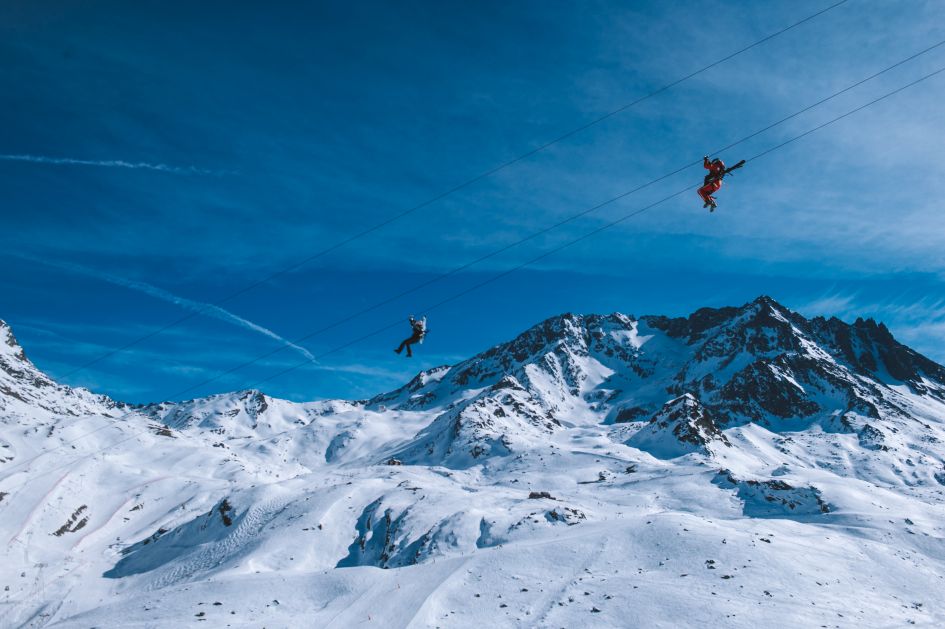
x: 682, y: 426
x: 497, y: 422
x: 773, y: 498
x: 22, y: 384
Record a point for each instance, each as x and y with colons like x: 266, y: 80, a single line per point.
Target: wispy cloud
x: 159, y: 293
x: 832, y: 304
x: 904, y: 307
x: 916, y: 321
x: 108, y: 163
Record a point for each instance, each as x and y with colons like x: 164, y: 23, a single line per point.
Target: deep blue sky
x: 283, y: 128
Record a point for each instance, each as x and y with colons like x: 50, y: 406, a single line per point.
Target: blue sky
x: 238, y: 138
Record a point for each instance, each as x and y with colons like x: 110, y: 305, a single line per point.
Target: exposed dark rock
x: 763, y: 389
x: 773, y: 498
x: 682, y: 426
x: 872, y: 438
x: 631, y: 414
x: 74, y: 523
x: 870, y: 348
x: 163, y: 431
x: 375, y: 543
x: 6, y: 335
x: 567, y: 515
x: 508, y: 382
x: 225, y: 509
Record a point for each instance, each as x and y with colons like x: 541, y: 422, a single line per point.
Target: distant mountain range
x: 754, y: 415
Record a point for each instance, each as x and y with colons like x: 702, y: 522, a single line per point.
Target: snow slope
x: 737, y: 466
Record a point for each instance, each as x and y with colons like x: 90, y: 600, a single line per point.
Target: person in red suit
x: 713, y: 181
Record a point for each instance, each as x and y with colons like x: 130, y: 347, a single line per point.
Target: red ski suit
x: 713, y: 181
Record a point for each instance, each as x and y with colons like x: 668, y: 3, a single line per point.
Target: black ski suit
x: 419, y: 330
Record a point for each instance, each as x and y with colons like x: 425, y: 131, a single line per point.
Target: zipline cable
x: 596, y: 231
x: 545, y: 230
x: 475, y: 287
x: 598, y: 206
x: 465, y: 184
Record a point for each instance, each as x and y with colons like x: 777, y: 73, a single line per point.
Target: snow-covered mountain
x: 25, y: 389
x: 738, y: 465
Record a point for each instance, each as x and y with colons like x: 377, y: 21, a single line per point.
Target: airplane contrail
x: 159, y: 293
x: 109, y: 163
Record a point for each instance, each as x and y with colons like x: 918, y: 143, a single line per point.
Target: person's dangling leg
x: 413, y: 339
x: 705, y: 194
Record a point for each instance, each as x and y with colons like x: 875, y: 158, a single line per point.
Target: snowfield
x: 739, y: 467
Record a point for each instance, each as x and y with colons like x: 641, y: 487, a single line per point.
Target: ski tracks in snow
x: 549, y: 602
x: 40, y: 503
x: 237, y: 542
x: 398, y: 606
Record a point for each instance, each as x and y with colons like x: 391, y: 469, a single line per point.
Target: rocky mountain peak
x: 759, y: 362
x: 681, y: 426
x: 22, y: 384
x: 8, y: 343
x: 764, y: 302
x: 871, y: 350
x: 762, y: 312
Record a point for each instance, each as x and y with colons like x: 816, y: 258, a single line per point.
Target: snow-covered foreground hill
x: 736, y: 467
